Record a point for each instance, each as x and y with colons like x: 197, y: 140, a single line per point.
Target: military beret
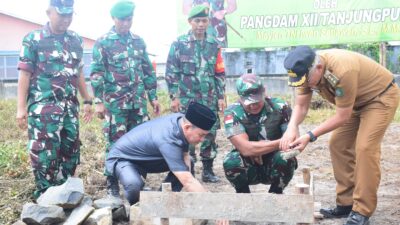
x: 63, y: 6
x: 250, y: 89
x: 122, y: 9
x: 201, y: 116
x: 298, y: 63
x: 198, y: 11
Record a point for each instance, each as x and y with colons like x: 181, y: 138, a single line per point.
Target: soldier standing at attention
x: 195, y: 72
x: 254, y: 125
x: 366, y: 98
x: 121, y: 74
x: 217, y: 26
x: 50, y: 73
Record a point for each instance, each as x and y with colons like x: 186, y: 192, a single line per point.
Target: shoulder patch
x: 339, y: 92
x: 332, y: 79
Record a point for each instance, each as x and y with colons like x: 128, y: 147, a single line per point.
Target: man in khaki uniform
x: 366, y: 98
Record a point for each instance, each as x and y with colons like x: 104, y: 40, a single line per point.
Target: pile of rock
x: 67, y: 204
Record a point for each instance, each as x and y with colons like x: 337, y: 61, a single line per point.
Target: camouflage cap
x: 63, y: 6
x: 122, y: 9
x: 298, y: 63
x: 250, y: 89
x: 198, y: 11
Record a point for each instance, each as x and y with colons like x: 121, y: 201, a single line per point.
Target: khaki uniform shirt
x: 350, y: 78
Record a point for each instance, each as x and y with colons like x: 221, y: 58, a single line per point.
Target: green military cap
x: 198, y: 11
x: 122, y: 9
x: 249, y: 88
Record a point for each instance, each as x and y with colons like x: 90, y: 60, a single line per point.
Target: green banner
x: 263, y: 23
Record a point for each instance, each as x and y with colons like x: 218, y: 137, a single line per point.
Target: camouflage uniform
x: 55, y: 62
x: 195, y: 72
x: 269, y: 124
x: 217, y: 27
x: 121, y: 73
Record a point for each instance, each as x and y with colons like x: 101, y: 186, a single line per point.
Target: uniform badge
x: 228, y: 119
x: 339, y: 92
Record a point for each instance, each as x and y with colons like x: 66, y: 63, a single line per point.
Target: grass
x: 16, y: 180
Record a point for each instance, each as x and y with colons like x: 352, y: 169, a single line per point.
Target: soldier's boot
x: 112, y: 187
x: 208, y: 175
x: 244, y: 189
x: 274, y: 188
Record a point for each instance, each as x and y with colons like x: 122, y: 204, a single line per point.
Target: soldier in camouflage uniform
x: 254, y: 125
x: 121, y: 73
x: 50, y: 67
x: 217, y: 26
x: 195, y: 72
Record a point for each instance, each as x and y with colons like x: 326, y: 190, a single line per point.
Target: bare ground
x: 316, y: 157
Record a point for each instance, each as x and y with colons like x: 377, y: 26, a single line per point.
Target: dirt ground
x: 317, y: 158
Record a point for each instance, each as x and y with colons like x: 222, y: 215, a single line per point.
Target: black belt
x: 383, y: 92
x: 387, y: 88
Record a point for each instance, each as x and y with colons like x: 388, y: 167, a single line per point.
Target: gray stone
x: 44, y: 215
x: 109, y: 201
x: 79, y: 214
x: 101, y: 216
x: 67, y: 195
x: 120, y: 214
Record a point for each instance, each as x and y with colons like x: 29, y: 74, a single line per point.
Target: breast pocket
x: 188, y: 66
x: 50, y: 58
x: 119, y: 63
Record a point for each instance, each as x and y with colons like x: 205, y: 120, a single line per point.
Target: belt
x: 383, y: 92
x: 387, y: 88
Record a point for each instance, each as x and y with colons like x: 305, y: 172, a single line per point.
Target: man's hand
x: 175, y: 105
x: 220, y: 14
x: 257, y: 160
x: 87, y: 113
x: 156, y: 107
x: 100, y: 110
x: 22, y: 119
x: 300, y: 143
x: 288, y: 137
x: 221, y: 105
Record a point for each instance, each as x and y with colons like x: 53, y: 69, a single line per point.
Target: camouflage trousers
x: 242, y: 171
x: 208, y: 148
x: 54, y: 148
x: 119, y: 122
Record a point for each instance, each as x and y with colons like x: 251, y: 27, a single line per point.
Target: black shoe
x: 112, y: 187
x: 208, y: 175
x: 244, y: 189
x: 356, y: 218
x: 338, y: 212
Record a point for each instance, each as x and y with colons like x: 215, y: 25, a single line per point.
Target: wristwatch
x: 172, y: 97
x: 312, y: 136
x: 87, y: 102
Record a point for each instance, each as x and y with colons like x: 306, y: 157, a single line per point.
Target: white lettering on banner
x: 325, y: 4
x: 261, y: 22
x: 361, y: 16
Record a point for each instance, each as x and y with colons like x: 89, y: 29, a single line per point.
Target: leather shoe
x: 337, y: 212
x: 356, y: 218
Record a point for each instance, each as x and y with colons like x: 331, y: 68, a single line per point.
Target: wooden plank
x: 306, y: 175
x: 255, y: 207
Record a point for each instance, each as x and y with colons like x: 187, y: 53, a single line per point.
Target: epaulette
x: 332, y: 79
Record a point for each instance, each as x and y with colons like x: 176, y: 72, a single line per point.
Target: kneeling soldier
x: 254, y: 125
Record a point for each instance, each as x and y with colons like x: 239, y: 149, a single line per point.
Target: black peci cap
x: 201, y: 116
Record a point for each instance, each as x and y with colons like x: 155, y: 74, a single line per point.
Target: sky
x: 154, y: 20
